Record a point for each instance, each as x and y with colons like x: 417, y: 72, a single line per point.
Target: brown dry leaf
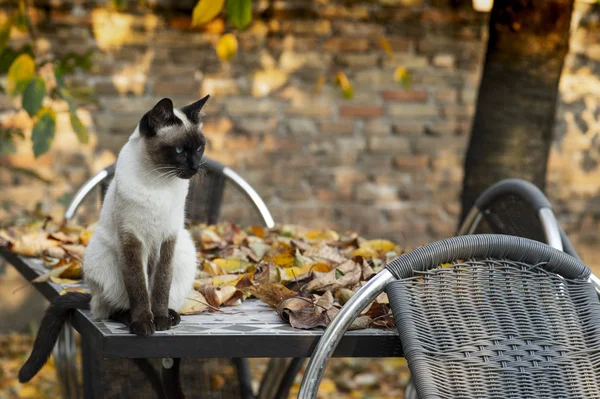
x: 351, y: 278
x: 63, y: 238
x: 290, y: 305
x: 360, y: 323
x: 194, y: 303
x: 268, y: 274
x: 324, y: 303
x: 85, y: 237
x: 326, y: 253
x: 367, y: 271
x: 55, y: 252
x: 33, y: 244
x: 306, y: 318
x: 272, y: 294
x: 210, y: 293
x: 75, y: 250
x: 343, y: 295
x: 322, y: 283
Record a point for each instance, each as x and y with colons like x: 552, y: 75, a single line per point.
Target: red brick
x: 405, y: 95
x: 361, y: 111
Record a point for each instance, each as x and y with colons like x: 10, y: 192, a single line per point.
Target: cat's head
x: 173, y: 139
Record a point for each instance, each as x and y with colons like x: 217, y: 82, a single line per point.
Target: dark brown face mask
x: 174, y: 147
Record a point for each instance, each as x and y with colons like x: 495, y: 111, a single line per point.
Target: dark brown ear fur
x: 159, y: 116
x: 192, y: 111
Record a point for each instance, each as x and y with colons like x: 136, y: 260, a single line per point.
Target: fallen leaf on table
x: 52, y: 273
x: 194, y: 303
x: 272, y: 294
x: 233, y: 265
x: 75, y: 250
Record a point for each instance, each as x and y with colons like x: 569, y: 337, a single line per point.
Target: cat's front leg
x: 132, y: 266
x: 163, y: 275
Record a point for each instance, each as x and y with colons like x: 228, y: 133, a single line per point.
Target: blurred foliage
x: 37, y: 82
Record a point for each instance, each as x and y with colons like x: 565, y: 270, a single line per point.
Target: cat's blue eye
x: 179, y: 150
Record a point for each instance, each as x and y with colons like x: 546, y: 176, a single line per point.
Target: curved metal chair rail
x: 462, y: 247
x: 525, y: 191
x: 242, y: 185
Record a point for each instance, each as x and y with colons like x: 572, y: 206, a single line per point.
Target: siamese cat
x: 140, y: 262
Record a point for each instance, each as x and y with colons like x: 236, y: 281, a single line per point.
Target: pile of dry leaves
x: 307, y: 275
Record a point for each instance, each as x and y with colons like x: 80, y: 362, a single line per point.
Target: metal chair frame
x: 555, y: 236
x: 65, y: 348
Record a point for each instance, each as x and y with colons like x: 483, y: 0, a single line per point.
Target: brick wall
x: 387, y: 163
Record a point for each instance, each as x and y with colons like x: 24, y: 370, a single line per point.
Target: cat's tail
x: 60, y: 309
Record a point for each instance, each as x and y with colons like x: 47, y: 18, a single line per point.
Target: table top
x: 252, y: 329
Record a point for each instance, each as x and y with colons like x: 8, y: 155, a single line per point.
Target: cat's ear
x: 160, y: 115
x: 192, y: 111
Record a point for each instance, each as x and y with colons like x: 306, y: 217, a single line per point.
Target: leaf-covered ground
x: 307, y: 275
x: 344, y: 378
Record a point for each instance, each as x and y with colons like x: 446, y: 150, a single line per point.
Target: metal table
x: 249, y: 330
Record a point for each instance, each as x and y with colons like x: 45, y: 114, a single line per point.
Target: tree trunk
x: 512, y: 129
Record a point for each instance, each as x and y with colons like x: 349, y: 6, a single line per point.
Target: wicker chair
x: 516, y: 207
x: 510, y: 317
x: 139, y: 378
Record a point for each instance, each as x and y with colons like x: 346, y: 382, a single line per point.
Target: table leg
x: 66, y: 363
x: 276, y: 375
x: 244, y: 377
x: 288, y: 378
x: 93, y: 387
x: 171, y: 378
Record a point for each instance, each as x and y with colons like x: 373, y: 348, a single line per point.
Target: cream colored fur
x: 151, y: 205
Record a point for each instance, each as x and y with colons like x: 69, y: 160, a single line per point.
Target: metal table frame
x: 270, y: 338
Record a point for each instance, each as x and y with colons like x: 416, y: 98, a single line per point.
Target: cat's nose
x: 195, y: 168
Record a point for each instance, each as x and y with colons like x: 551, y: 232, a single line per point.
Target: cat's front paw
x: 162, y: 323
x: 142, y: 327
x: 175, y: 318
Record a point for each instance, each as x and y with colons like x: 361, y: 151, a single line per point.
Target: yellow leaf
x: 227, y: 279
x: 85, y: 237
x: 233, y: 265
x: 380, y: 245
x: 386, y: 46
x: 294, y: 273
x: 205, y: 11
x: 373, y: 248
x: 30, y: 391
x: 284, y: 260
x: 347, y: 89
x: 227, y: 47
x: 401, y: 76
x: 21, y: 71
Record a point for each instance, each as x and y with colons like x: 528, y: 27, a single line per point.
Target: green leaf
x: 78, y: 128
x: 240, y: 12
x: 7, y: 140
x: 43, y: 131
x: 33, y: 96
x: 20, y: 73
x: 59, y: 75
x: 118, y: 4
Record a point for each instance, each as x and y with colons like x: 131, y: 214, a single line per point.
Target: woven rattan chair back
x: 492, y: 328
